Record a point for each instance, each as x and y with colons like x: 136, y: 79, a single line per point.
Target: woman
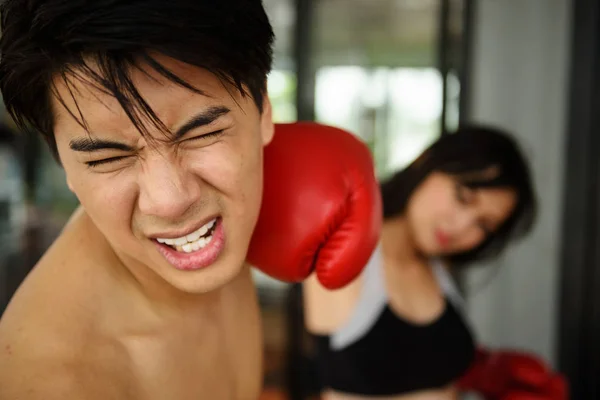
x: 397, y: 331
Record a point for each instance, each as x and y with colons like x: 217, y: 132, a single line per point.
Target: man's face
x: 182, y: 205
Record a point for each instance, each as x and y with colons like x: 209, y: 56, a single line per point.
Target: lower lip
x: 442, y: 239
x: 199, y: 259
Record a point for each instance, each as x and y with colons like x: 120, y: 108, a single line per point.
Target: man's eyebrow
x: 206, y: 117
x: 89, y: 145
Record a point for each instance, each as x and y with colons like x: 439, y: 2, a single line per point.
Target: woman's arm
x: 326, y: 310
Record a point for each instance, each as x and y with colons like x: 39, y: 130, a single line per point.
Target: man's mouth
x: 194, y: 241
x: 194, y: 250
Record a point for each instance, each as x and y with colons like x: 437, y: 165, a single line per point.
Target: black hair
x: 466, y: 154
x: 43, y: 40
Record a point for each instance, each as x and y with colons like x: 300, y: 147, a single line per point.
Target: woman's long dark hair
x: 467, y: 154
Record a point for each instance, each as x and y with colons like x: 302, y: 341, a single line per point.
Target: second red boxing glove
x: 554, y: 388
x: 511, y: 375
x: 321, y: 208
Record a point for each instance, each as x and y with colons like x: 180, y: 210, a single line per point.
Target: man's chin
x: 205, y: 280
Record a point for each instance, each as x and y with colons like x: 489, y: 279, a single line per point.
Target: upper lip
x: 174, y: 234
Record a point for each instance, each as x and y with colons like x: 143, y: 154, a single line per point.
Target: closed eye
x: 207, y: 135
x: 96, y: 163
x: 110, y: 160
x: 462, y: 193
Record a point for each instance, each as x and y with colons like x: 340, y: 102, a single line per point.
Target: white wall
x: 520, y: 76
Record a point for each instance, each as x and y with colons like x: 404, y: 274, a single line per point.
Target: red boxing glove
x: 321, y: 208
x: 510, y: 375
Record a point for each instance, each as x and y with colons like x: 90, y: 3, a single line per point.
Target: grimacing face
x: 184, y: 206
x: 446, y: 217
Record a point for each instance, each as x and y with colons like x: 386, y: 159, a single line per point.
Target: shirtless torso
x: 81, y: 327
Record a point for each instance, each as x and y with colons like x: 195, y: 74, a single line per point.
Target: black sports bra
x: 379, y: 353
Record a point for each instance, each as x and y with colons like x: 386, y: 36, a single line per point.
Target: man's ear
x: 266, y: 121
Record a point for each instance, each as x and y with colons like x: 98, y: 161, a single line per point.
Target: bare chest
x: 224, y: 365
x: 221, y: 359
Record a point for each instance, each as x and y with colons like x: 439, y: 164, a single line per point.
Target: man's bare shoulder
x: 79, y: 244
x: 35, y: 353
x: 55, y: 291
x: 52, y: 361
x: 34, y: 348
x: 65, y: 279
x: 25, y: 378
x: 50, y: 319
x: 48, y: 378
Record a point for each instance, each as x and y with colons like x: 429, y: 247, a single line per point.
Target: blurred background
x: 399, y: 73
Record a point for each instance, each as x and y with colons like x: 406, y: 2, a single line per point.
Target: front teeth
x: 179, y: 241
x: 194, y: 246
x: 192, y: 242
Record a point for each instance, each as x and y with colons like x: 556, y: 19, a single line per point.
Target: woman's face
x: 446, y: 217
